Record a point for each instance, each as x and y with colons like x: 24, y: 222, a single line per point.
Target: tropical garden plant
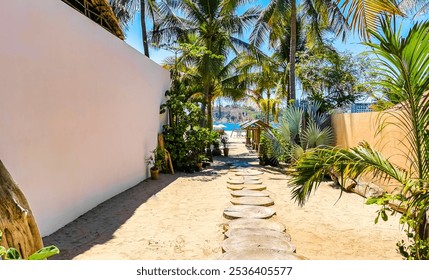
x: 184, y: 138
x: 404, y: 65
x: 301, y: 128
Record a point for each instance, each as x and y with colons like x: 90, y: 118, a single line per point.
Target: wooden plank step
x: 248, y: 211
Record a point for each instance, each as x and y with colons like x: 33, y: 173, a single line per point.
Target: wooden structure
x: 253, y: 132
x: 99, y: 11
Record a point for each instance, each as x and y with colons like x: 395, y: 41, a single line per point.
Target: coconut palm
x: 226, y: 82
x: 126, y: 9
x: 263, y: 77
x: 405, y: 68
x: 279, y: 21
x: 364, y: 16
x: 216, y: 25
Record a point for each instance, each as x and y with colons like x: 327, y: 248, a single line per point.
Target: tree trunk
x: 210, y: 112
x: 17, y: 222
x: 203, y: 110
x: 143, y: 24
x: 267, y: 114
x: 292, y: 92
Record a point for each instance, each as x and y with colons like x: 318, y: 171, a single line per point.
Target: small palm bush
x: 300, y: 129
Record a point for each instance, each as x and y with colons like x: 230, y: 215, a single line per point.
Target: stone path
x: 251, y: 234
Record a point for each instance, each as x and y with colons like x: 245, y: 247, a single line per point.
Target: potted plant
x: 224, y: 139
x: 155, y: 161
x: 216, y: 151
x: 200, y: 160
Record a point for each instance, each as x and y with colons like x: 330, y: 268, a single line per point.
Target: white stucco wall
x: 79, y: 109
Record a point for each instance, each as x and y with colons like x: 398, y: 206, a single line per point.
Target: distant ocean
x: 229, y: 126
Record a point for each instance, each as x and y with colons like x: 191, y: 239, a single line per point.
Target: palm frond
x: 315, y: 164
x: 365, y: 15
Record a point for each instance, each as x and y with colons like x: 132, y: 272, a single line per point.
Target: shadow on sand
x: 98, y: 225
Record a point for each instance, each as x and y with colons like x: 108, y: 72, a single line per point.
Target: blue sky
x: 134, y: 38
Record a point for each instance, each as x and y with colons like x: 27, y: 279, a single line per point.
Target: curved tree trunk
x: 17, y: 222
x: 292, y: 87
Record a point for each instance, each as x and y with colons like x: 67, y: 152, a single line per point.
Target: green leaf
x: 44, y: 253
x: 372, y: 200
x: 376, y: 218
x: 384, y: 215
x: 2, y: 250
x: 12, y: 254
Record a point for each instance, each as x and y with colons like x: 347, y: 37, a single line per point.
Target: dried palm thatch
x: 99, y: 11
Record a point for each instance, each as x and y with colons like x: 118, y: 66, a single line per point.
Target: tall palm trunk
x: 292, y: 92
x: 144, y: 31
x: 210, y: 111
x: 17, y: 222
x: 267, y: 114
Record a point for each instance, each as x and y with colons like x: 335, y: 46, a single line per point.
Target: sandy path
x: 181, y: 217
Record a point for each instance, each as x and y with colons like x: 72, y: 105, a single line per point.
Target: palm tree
x: 17, y: 220
x: 365, y: 15
x: 215, y: 25
x: 126, y: 9
x: 404, y: 65
x: 262, y: 76
x: 320, y: 15
x: 227, y: 83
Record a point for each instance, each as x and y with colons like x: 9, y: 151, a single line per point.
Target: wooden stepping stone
x: 238, y: 243
x: 248, y: 211
x: 254, y: 223
x: 255, y: 187
x: 248, y: 192
x: 235, y: 187
x: 247, y: 200
x: 248, y: 173
x: 246, y: 187
x: 261, y: 232
x: 260, y: 254
x: 238, y: 182
x: 245, y: 178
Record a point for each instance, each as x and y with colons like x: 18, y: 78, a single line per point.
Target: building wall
x: 352, y: 129
x: 79, y: 109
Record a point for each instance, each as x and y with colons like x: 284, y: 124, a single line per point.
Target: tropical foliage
x: 405, y: 73
x: 214, y: 26
x: 334, y: 79
x: 301, y: 128
x: 281, y: 23
x: 184, y: 138
x: 125, y: 11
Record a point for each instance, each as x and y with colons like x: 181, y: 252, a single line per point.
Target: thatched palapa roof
x: 99, y: 11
